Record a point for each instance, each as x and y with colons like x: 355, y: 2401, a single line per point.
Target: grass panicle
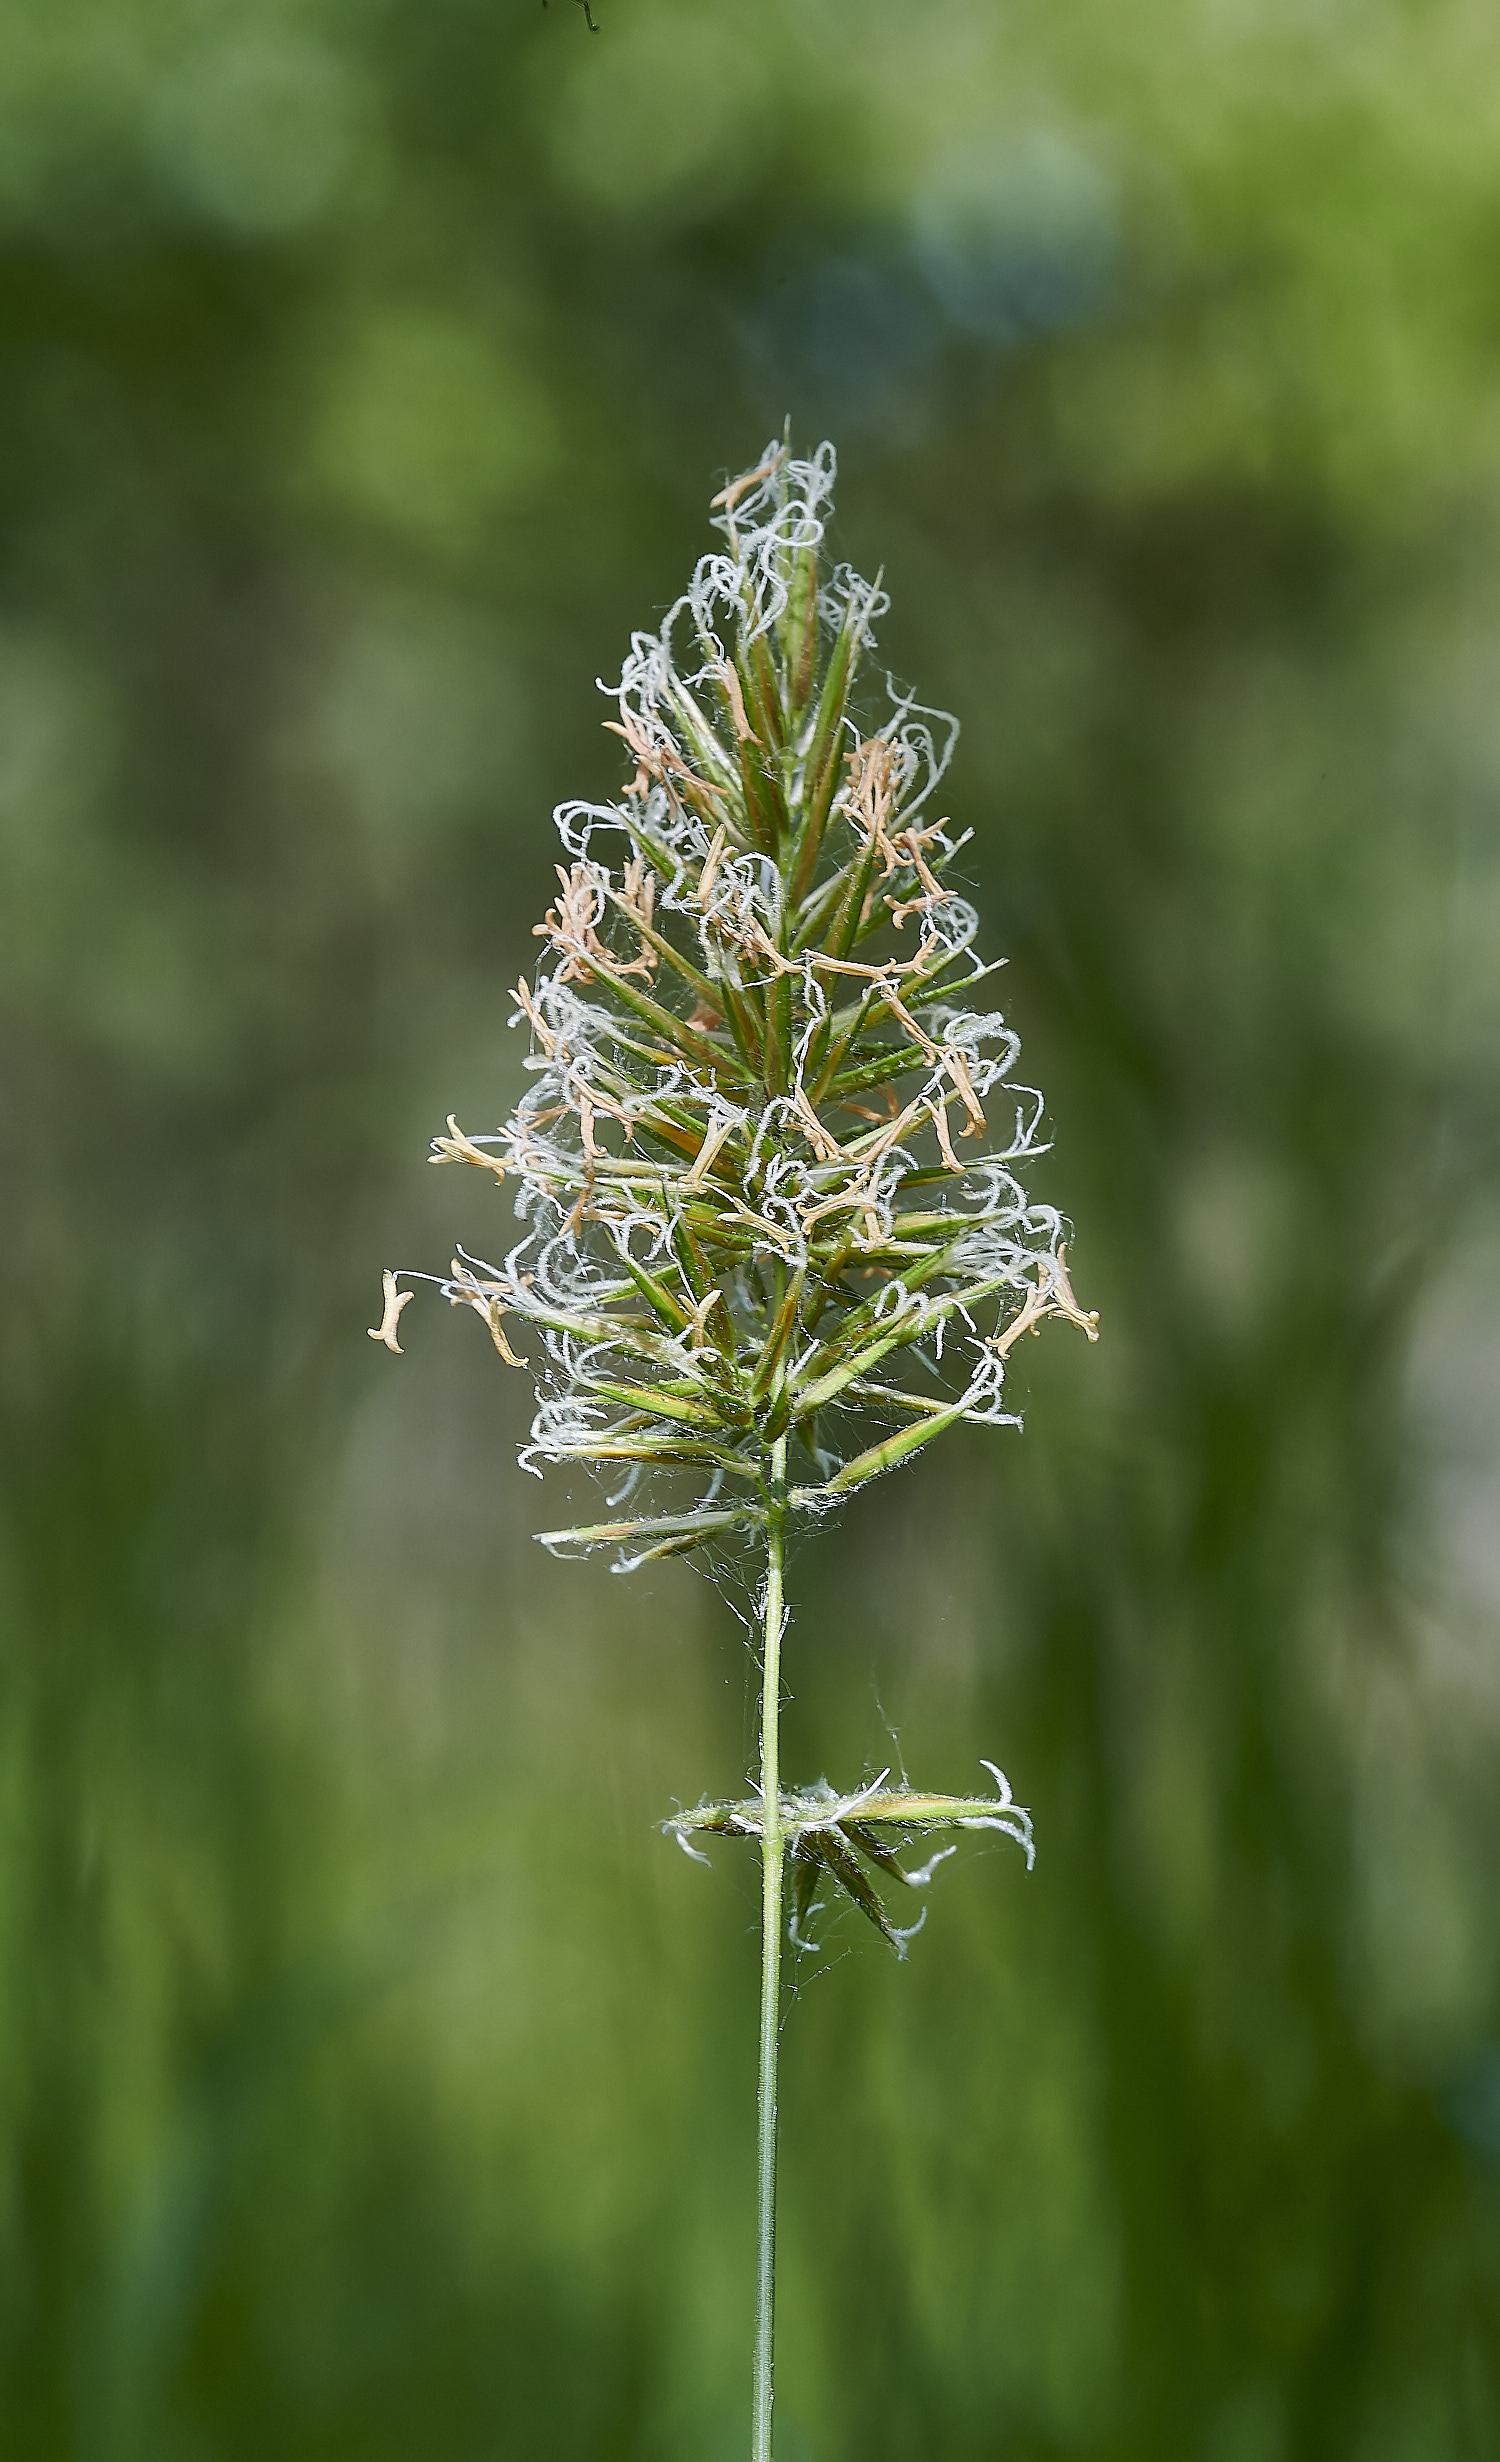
x: 775, y: 1235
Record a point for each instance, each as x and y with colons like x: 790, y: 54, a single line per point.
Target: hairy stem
x: 772, y: 1857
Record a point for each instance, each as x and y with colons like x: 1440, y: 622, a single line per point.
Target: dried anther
x: 457, y: 1148
x: 572, y: 924
x: 395, y: 1301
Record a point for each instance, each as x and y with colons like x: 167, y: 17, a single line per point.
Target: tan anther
x: 909, y: 843
x: 744, y: 732
x: 697, y: 1324
x: 662, y: 761
x: 492, y: 1315
x: 890, y: 972
x: 722, y: 1130
x: 749, y: 934
x: 765, y: 947
x: 1033, y: 1309
x: 638, y: 890
x: 395, y: 1301
x: 572, y: 924
x: 728, y: 497
x: 1065, y: 1304
x: 892, y: 1133
x: 940, y: 1123
x: 862, y: 1111
x: 958, y: 1069
x: 856, y: 1198
x: 457, y: 1148
x: 923, y: 1041
x: 848, y: 1200
x: 526, y: 1003
x: 569, y: 924
x: 638, y: 742
x: 819, y: 1137
x: 776, y: 1232
x: 605, y: 1105
x: 637, y: 897
x: 900, y: 908
x: 871, y: 793
x: 486, y: 1301
x: 711, y: 863
x: 1050, y: 1295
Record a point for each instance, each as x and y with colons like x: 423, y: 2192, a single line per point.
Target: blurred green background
x: 376, y: 2081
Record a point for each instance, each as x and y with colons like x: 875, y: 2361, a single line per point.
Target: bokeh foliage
x: 376, y: 2080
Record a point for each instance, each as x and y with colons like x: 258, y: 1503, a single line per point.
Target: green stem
x: 772, y: 1851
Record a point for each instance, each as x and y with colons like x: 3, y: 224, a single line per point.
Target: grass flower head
x: 775, y: 1234
x: 769, y: 1166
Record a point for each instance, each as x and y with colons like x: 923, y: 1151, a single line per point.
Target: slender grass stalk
x: 772, y: 1858
x: 744, y: 1204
